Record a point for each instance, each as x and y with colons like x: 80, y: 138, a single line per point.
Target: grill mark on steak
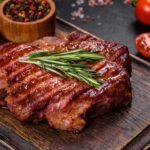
x: 27, y: 79
x: 118, y: 51
x: 65, y: 92
x: 54, y: 94
x: 13, y: 68
x: 19, y: 77
x: 68, y: 96
x: 99, y: 65
x: 20, y: 70
x: 74, y: 36
x: 5, y: 48
x: 109, y: 69
x: 53, y: 99
x: 24, y: 87
x: 3, y: 80
x: 16, y: 52
x: 27, y: 95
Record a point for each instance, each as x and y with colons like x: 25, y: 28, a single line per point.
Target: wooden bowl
x: 21, y: 32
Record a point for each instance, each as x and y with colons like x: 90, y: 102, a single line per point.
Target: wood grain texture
x: 112, y: 131
x: 142, y: 141
x: 29, y: 31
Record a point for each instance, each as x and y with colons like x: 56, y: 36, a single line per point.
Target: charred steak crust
x: 33, y: 94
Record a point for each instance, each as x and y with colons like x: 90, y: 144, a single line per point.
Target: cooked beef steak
x: 33, y: 94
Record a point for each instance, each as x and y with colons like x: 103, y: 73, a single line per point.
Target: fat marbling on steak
x: 34, y: 94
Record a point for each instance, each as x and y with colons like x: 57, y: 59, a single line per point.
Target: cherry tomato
x: 142, y: 43
x: 142, y: 11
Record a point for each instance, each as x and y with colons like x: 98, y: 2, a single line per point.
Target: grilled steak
x: 34, y: 94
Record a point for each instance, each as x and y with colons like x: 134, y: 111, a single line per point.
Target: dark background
x: 117, y: 22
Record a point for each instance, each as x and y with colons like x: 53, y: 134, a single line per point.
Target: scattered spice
x: 86, y: 19
x: 26, y: 10
x: 79, y: 2
x: 93, y: 3
x: 128, y: 2
x: 79, y: 12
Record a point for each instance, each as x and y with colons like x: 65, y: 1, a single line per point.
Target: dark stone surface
x: 117, y: 21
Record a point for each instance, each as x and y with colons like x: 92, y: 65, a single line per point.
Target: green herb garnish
x: 1, y: 1
x: 67, y: 64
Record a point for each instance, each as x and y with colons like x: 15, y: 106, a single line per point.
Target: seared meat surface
x: 34, y: 94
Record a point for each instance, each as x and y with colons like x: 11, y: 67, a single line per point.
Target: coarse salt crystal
x: 99, y: 23
x: 73, y: 5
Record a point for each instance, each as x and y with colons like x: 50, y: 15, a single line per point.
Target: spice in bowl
x: 26, y: 10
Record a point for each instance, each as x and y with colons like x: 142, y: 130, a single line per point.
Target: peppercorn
x: 26, y: 10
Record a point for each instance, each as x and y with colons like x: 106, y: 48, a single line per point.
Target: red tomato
x: 142, y: 11
x: 143, y: 44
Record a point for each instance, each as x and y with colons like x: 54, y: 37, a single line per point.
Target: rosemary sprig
x: 66, y: 64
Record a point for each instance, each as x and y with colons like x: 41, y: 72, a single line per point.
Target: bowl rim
x: 50, y: 14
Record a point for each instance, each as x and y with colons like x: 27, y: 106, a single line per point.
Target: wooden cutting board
x: 128, y: 128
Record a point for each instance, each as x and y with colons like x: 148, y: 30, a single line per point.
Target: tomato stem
x: 134, y: 2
